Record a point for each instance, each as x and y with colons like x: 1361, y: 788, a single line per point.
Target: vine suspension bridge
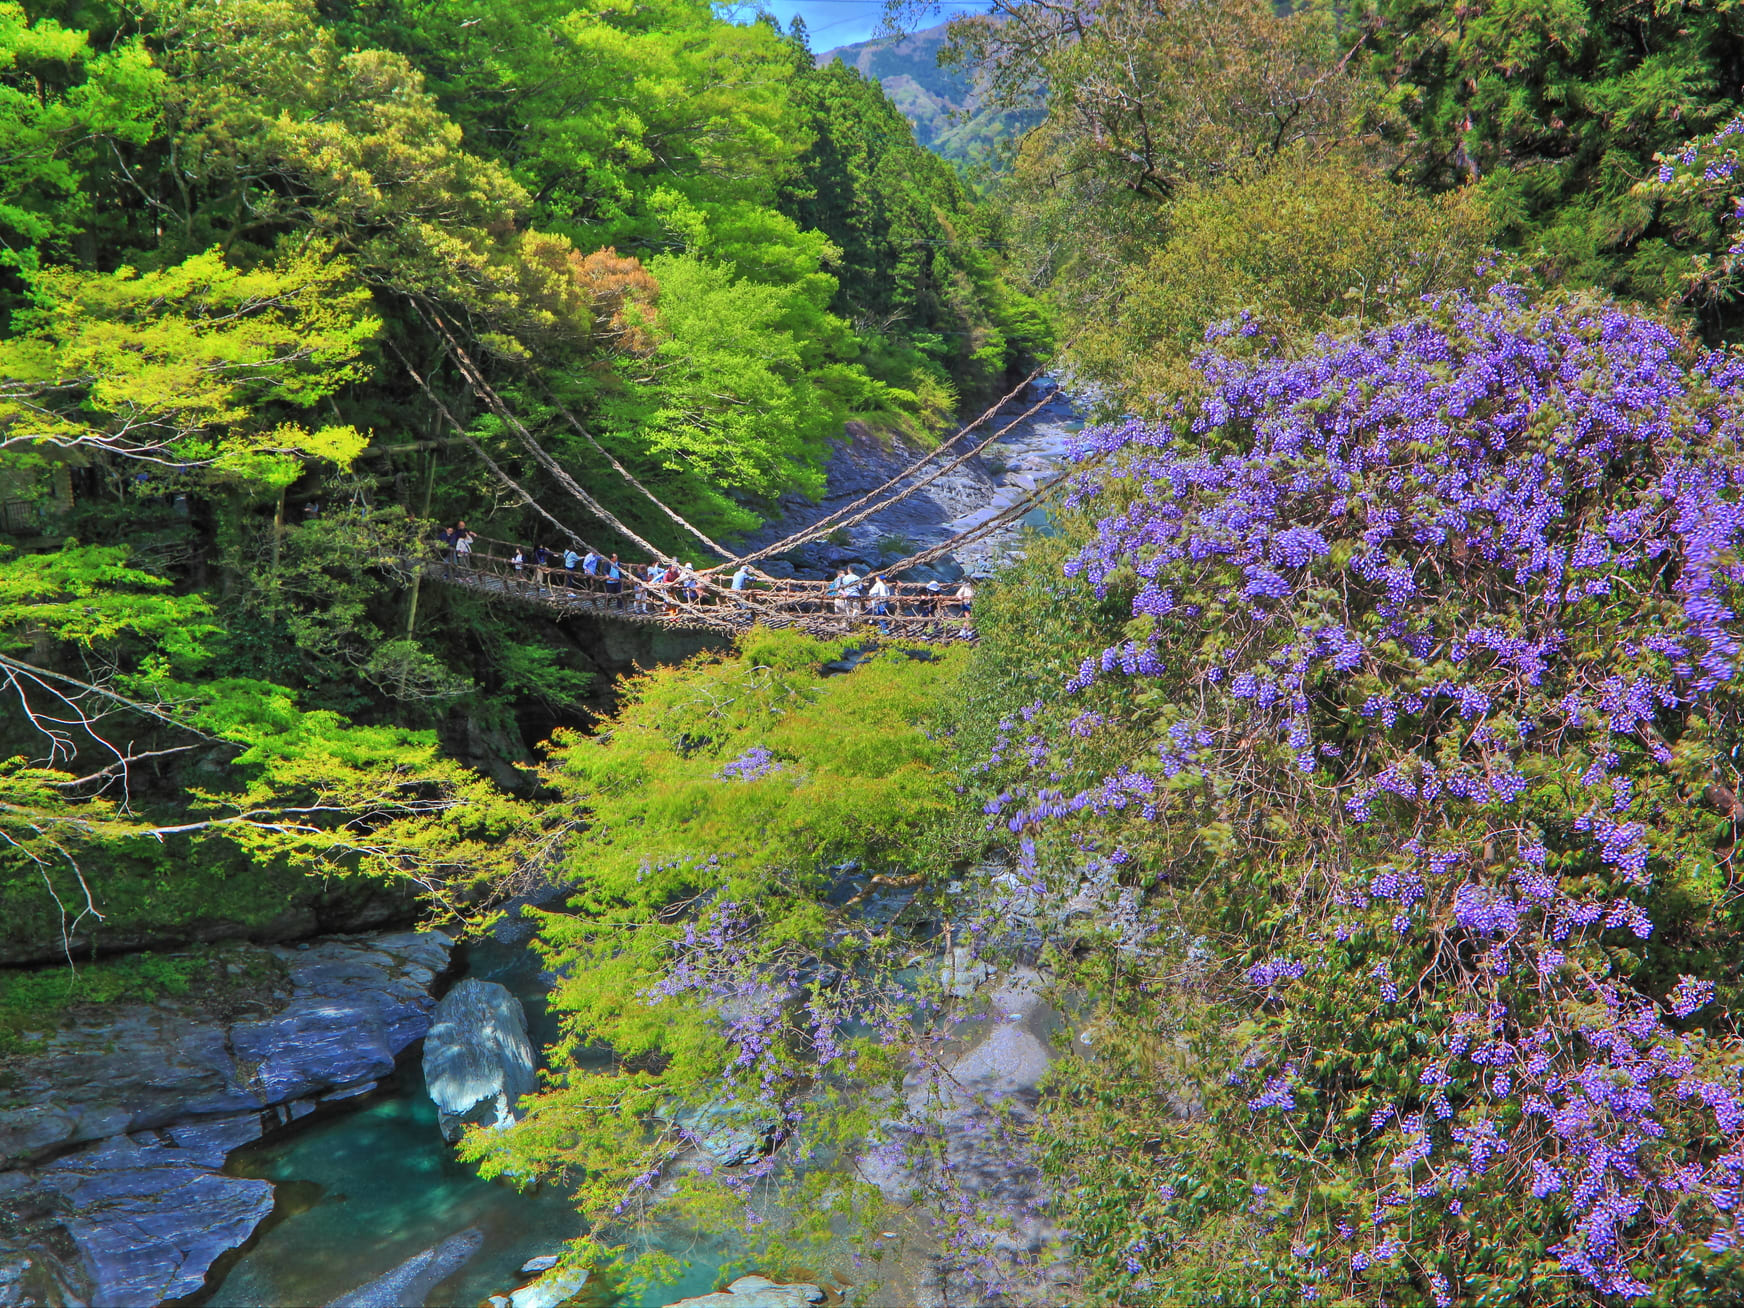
x: 703, y: 599
x: 909, y: 611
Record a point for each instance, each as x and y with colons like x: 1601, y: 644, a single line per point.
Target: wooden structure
x: 910, y: 612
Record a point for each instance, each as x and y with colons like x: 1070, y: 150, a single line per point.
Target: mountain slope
x: 942, y: 104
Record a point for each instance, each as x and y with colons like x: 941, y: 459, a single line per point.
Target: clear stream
x: 364, y: 1190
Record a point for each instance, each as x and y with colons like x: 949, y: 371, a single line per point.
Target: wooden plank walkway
x: 910, y: 613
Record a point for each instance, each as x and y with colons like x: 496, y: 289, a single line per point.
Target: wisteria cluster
x: 1463, y: 595
x: 1706, y: 172
x: 753, y: 765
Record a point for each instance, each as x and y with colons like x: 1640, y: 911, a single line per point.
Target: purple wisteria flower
x: 753, y: 765
x: 1472, y: 585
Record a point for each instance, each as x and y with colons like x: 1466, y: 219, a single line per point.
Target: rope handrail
x: 845, y: 516
x: 695, y: 600
x: 858, y: 511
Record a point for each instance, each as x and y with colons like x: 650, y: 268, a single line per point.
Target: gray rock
x: 349, y: 1091
x: 130, y: 1118
x: 992, y: 1083
x: 143, y: 1068
x: 748, y: 1285
x: 355, y: 1008
x: 408, y: 1284
x: 478, y: 1061
x: 356, y: 1003
x: 962, y: 974
x: 31, y: 1272
x: 149, y: 1217
x: 732, y: 1134
x: 551, y: 1291
x: 756, y: 1292
x: 543, y: 1263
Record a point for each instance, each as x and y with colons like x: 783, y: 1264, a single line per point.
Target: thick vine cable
x: 1004, y: 518
x: 479, y: 450
x: 630, y: 477
x: 846, y: 515
x: 483, y: 389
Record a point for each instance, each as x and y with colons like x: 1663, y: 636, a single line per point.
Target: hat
x: 933, y: 584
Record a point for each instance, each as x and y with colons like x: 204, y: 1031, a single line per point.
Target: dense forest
x: 1342, y: 786
x: 252, y: 248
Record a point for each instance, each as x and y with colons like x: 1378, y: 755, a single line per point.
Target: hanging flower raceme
x: 1700, y: 189
x: 1459, y: 598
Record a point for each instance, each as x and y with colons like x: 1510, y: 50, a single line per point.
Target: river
x: 362, y: 1190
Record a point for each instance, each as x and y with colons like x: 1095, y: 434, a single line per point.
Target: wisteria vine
x: 1460, y: 597
x: 1704, y: 175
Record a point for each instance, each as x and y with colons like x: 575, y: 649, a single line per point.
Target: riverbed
x: 366, y: 1188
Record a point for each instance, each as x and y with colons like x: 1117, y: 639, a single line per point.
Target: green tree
x: 202, y: 364
x: 593, y: 110
x: 1147, y: 105
x: 1267, y: 262
x: 719, y: 805
x: 919, y: 261
x: 64, y: 108
x: 1557, y: 112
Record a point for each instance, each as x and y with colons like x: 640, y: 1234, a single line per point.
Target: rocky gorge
x: 114, y: 1132
x: 1027, y: 456
x: 120, y: 1129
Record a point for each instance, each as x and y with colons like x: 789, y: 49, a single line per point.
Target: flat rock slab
x: 356, y: 1003
x: 756, y: 1292
x: 150, y: 1216
x: 356, y: 1006
x: 410, y: 1283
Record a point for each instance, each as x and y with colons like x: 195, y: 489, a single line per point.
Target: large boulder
x: 980, y: 1104
x: 410, y: 1283
x: 478, y: 1061
x: 551, y: 1291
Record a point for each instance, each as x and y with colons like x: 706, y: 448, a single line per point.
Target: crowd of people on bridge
x: 667, y: 587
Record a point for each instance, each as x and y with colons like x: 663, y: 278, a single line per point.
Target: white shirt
x: 740, y: 578
x: 879, y: 588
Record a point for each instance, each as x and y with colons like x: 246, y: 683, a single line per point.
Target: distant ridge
x: 928, y: 96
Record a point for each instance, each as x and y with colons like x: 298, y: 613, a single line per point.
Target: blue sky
x: 837, y: 22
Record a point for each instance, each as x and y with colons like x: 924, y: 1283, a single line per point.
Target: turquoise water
x: 362, y: 1191
x: 369, y: 1189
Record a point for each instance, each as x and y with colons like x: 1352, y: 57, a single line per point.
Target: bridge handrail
x: 770, y: 597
